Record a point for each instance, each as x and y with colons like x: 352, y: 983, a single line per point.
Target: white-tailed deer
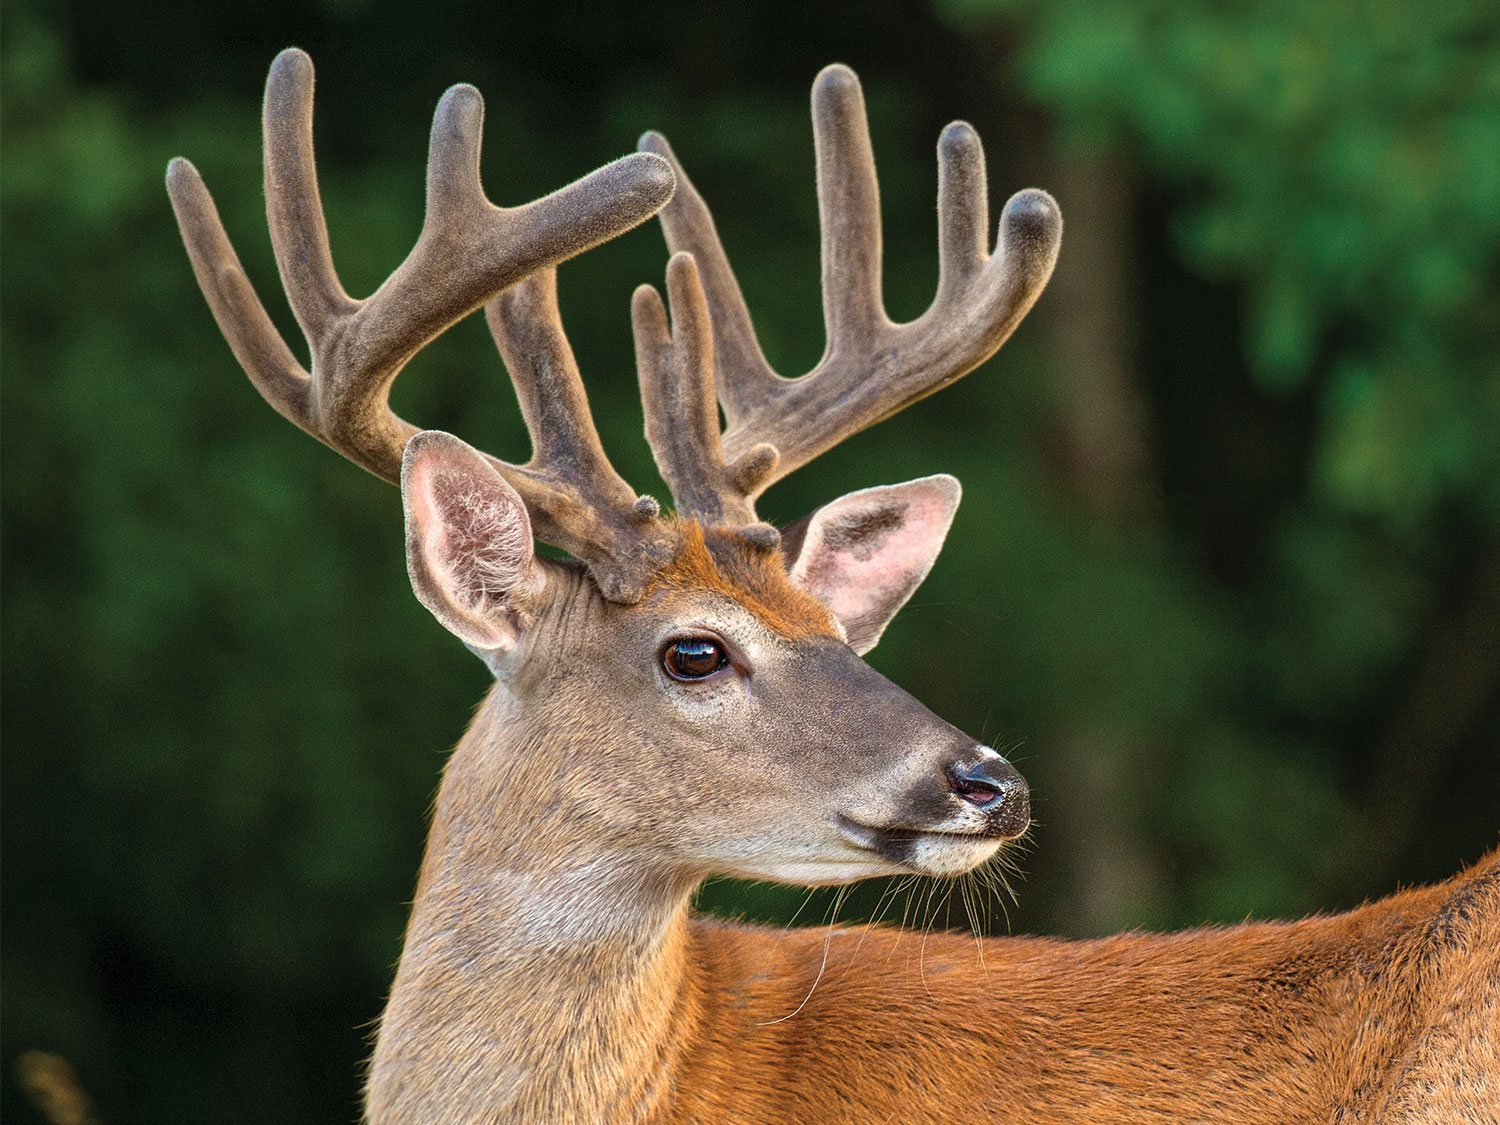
x: 684, y: 698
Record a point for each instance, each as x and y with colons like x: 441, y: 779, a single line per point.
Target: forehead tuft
x: 753, y: 576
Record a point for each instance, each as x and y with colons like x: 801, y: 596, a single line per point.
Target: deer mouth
x: 931, y: 851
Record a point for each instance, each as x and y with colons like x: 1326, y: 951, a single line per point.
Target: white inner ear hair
x: 486, y: 547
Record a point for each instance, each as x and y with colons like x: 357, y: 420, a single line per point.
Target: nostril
x: 974, y: 785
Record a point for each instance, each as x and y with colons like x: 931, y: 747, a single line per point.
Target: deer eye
x: 693, y: 658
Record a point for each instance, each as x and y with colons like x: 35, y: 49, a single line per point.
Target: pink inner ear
x: 863, y: 555
x: 469, y: 540
x: 866, y: 553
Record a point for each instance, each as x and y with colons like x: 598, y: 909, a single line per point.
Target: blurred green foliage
x: 1341, y: 164
x: 224, y: 714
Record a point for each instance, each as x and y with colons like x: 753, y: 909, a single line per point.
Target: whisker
x: 838, y: 900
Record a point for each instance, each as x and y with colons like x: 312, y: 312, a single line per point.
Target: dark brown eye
x: 693, y: 658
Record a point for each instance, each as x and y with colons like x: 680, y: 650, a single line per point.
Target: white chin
x: 950, y: 855
x: 825, y: 873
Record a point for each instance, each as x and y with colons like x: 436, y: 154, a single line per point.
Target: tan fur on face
x: 754, y: 577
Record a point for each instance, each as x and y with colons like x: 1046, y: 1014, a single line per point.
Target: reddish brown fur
x: 754, y: 577
x: 1387, y: 1013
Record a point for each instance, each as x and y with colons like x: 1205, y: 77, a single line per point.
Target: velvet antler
x: 469, y: 251
x: 872, y: 367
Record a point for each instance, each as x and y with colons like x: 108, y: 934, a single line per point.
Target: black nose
x: 993, y: 785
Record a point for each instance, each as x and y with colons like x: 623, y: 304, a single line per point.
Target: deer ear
x: 866, y: 553
x: 468, y: 542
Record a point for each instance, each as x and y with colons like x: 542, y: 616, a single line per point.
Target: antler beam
x: 469, y: 251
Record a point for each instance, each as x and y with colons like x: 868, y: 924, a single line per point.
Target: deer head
x: 688, y: 688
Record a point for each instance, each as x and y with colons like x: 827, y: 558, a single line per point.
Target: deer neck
x: 543, y: 974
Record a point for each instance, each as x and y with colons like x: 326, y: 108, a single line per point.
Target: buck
x: 685, y: 697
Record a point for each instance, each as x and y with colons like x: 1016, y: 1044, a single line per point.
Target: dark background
x: 1226, y: 581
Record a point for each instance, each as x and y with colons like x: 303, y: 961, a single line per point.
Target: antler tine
x: 468, y: 251
x: 848, y: 215
x: 253, y: 339
x: 872, y: 367
x: 577, y: 500
x: 676, y: 368
x: 745, y: 380
x: 294, y: 206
